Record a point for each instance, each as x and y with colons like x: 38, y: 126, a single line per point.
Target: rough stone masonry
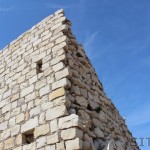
x: 50, y: 95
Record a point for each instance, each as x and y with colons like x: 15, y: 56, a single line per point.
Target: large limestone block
x: 56, y: 112
x: 73, y: 144
x: 69, y: 121
x: 57, y: 93
x: 71, y: 133
x: 41, y: 130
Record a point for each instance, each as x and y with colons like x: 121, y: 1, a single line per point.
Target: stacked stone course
x: 50, y: 95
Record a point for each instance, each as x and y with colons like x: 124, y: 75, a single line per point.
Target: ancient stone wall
x: 50, y: 95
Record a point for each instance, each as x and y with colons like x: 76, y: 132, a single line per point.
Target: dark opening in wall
x: 28, y: 137
x: 39, y: 66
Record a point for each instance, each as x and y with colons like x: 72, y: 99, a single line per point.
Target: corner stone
x: 73, y: 144
x: 57, y: 93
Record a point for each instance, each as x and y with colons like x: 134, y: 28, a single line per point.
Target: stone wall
x: 50, y: 95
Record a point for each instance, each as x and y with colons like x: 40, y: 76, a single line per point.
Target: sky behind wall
x: 116, y: 36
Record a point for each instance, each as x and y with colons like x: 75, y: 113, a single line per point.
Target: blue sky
x: 116, y: 36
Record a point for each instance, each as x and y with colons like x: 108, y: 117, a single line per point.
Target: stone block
x: 41, y: 130
x: 9, y: 143
x: 53, y: 138
x: 56, y: 112
x: 71, y: 133
x: 30, y: 124
x: 61, y: 83
x: 63, y: 73
x: 57, y: 93
x: 41, y: 142
x: 58, y: 66
x: 69, y: 121
x: 27, y: 90
x: 74, y: 144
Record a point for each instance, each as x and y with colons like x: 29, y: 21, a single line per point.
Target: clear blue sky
x: 116, y: 36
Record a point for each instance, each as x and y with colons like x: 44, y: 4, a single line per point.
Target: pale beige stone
x: 15, y: 97
x: 31, y: 146
x: 41, y: 130
x: 1, y: 146
x: 5, y: 134
x: 60, y: 146
x: 61, y: 83
x: 63, y: 73
x: 73, y: 144
x: 18, y: 148
x: 57, y: 93
x: 56, y: 112
x: 35, y: 111
x: 71, y: 133
x: 9, y: 144
x: 30, y: 124
x: 27, y: 90
x: 3, y: 125
x: 44, y: 90
x: 69, y: 121
x: 50, y: 147
x: 20, y: 139
x: 20, y: 118
x: 54, y: 125
x: 41, y: 142
x: 58, y: 66
x: 15, y: 130
x: 53, y: 138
